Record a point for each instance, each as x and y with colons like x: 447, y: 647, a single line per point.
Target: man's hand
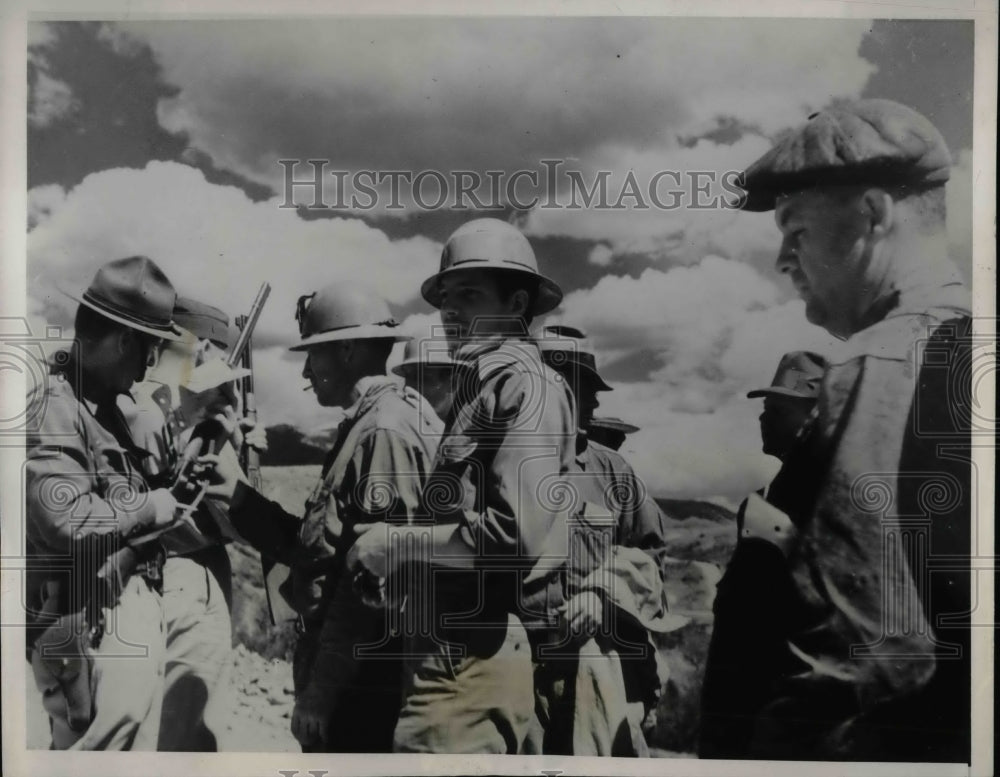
x: 254, y: 434
x: 369, y: 553
x: 220, y: 472
x: 166, y: 507
x: 584, y: 615
x: 309, y: 722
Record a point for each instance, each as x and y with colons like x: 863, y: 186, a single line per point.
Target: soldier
x: 754, y: 594
x: 428, y: 368
x: 610, y: 432
x: 858, y: 194
x: 374, y: 472
x: 614, y: 592
x: 509, y: 439
x: 164, y: 412
x: 96, y: 638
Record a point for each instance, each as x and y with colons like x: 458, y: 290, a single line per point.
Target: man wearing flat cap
x: 747, y: 648
x: 858, y: 195
x: 189, y: 385
x: 346, y: 666
x: 94, y: 592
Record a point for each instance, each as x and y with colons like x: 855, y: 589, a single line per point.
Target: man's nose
x: 787, y: 259
x: 307, y: 372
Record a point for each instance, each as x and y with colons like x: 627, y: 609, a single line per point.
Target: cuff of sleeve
x: 130, y: 523
x: 241, y: 496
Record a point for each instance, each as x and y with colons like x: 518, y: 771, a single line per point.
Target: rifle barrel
x: 250, y: 323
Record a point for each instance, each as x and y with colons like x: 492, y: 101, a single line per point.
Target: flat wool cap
x: 878, y: 142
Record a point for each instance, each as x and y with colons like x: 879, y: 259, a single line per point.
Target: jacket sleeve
x: 646, y: 524
x: 526, y: 453
x: 68, y: 501
x: 385, y: 477
x: 265, y: 524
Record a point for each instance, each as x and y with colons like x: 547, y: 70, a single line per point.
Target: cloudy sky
x: 163, y: 138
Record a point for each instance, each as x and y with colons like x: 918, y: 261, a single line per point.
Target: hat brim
x: 409, y: 365
x: 365, y: 332
x: 173, y: 333
x: 590, y: 373
x: 235, y: 373
x: 614, y: 426
x: 778, y: 391
x: 546, y: 300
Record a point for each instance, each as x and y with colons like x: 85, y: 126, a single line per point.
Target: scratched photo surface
x: 500, y: 386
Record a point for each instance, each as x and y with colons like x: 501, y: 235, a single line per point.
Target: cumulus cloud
x: 680, y: 212
x: 447, y: 93
x: 49, y: 98
x: 717, y: 330
x: 680, y: 455
x: 217, y: 246
x: 600, y: 255
x: 959, y: 206
x: 213, y: 242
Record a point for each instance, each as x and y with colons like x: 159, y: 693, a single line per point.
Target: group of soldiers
x: 473, y: 572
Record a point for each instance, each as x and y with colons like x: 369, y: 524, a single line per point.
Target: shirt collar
x: 367, y: 390
x: 492, y: 354
x: 912, y: 318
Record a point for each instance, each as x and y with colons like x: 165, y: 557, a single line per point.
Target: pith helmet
x: 414, y: 355
x: 565, y: 347
x: 344, y: 311
x: 491, y: 244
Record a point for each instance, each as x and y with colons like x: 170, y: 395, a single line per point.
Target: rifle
x: 273, y: 572
x: 210, y: 432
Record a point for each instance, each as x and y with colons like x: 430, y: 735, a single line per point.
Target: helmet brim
x: 363, y: 332
x: 546, y: 300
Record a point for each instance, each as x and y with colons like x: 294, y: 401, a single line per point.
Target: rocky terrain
x: 701, y: 537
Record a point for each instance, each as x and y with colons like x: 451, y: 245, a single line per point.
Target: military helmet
x: 433, y: 354
x: 492, y: 244
x: 344, y: 311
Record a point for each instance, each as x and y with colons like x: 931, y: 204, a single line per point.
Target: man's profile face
x: 584, y: 390
x: 468, y: 295
x: 137, y: 352
x: 780, y: 422
x: 823, y: 252
x: 326, y: 370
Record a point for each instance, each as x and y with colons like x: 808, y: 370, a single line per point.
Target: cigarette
x: 307, y: 388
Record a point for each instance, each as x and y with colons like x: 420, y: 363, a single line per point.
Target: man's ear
x: 125, y: 339
x: 518, y: 302
x: 347, y: 350
x: 877, y: 206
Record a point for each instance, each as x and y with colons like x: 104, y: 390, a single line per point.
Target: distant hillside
x: 287, y: 446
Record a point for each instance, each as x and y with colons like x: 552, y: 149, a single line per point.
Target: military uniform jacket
x: 85, y: 492
x: 380, y: 459
x: 859, y: 631
x: 500, y: 470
